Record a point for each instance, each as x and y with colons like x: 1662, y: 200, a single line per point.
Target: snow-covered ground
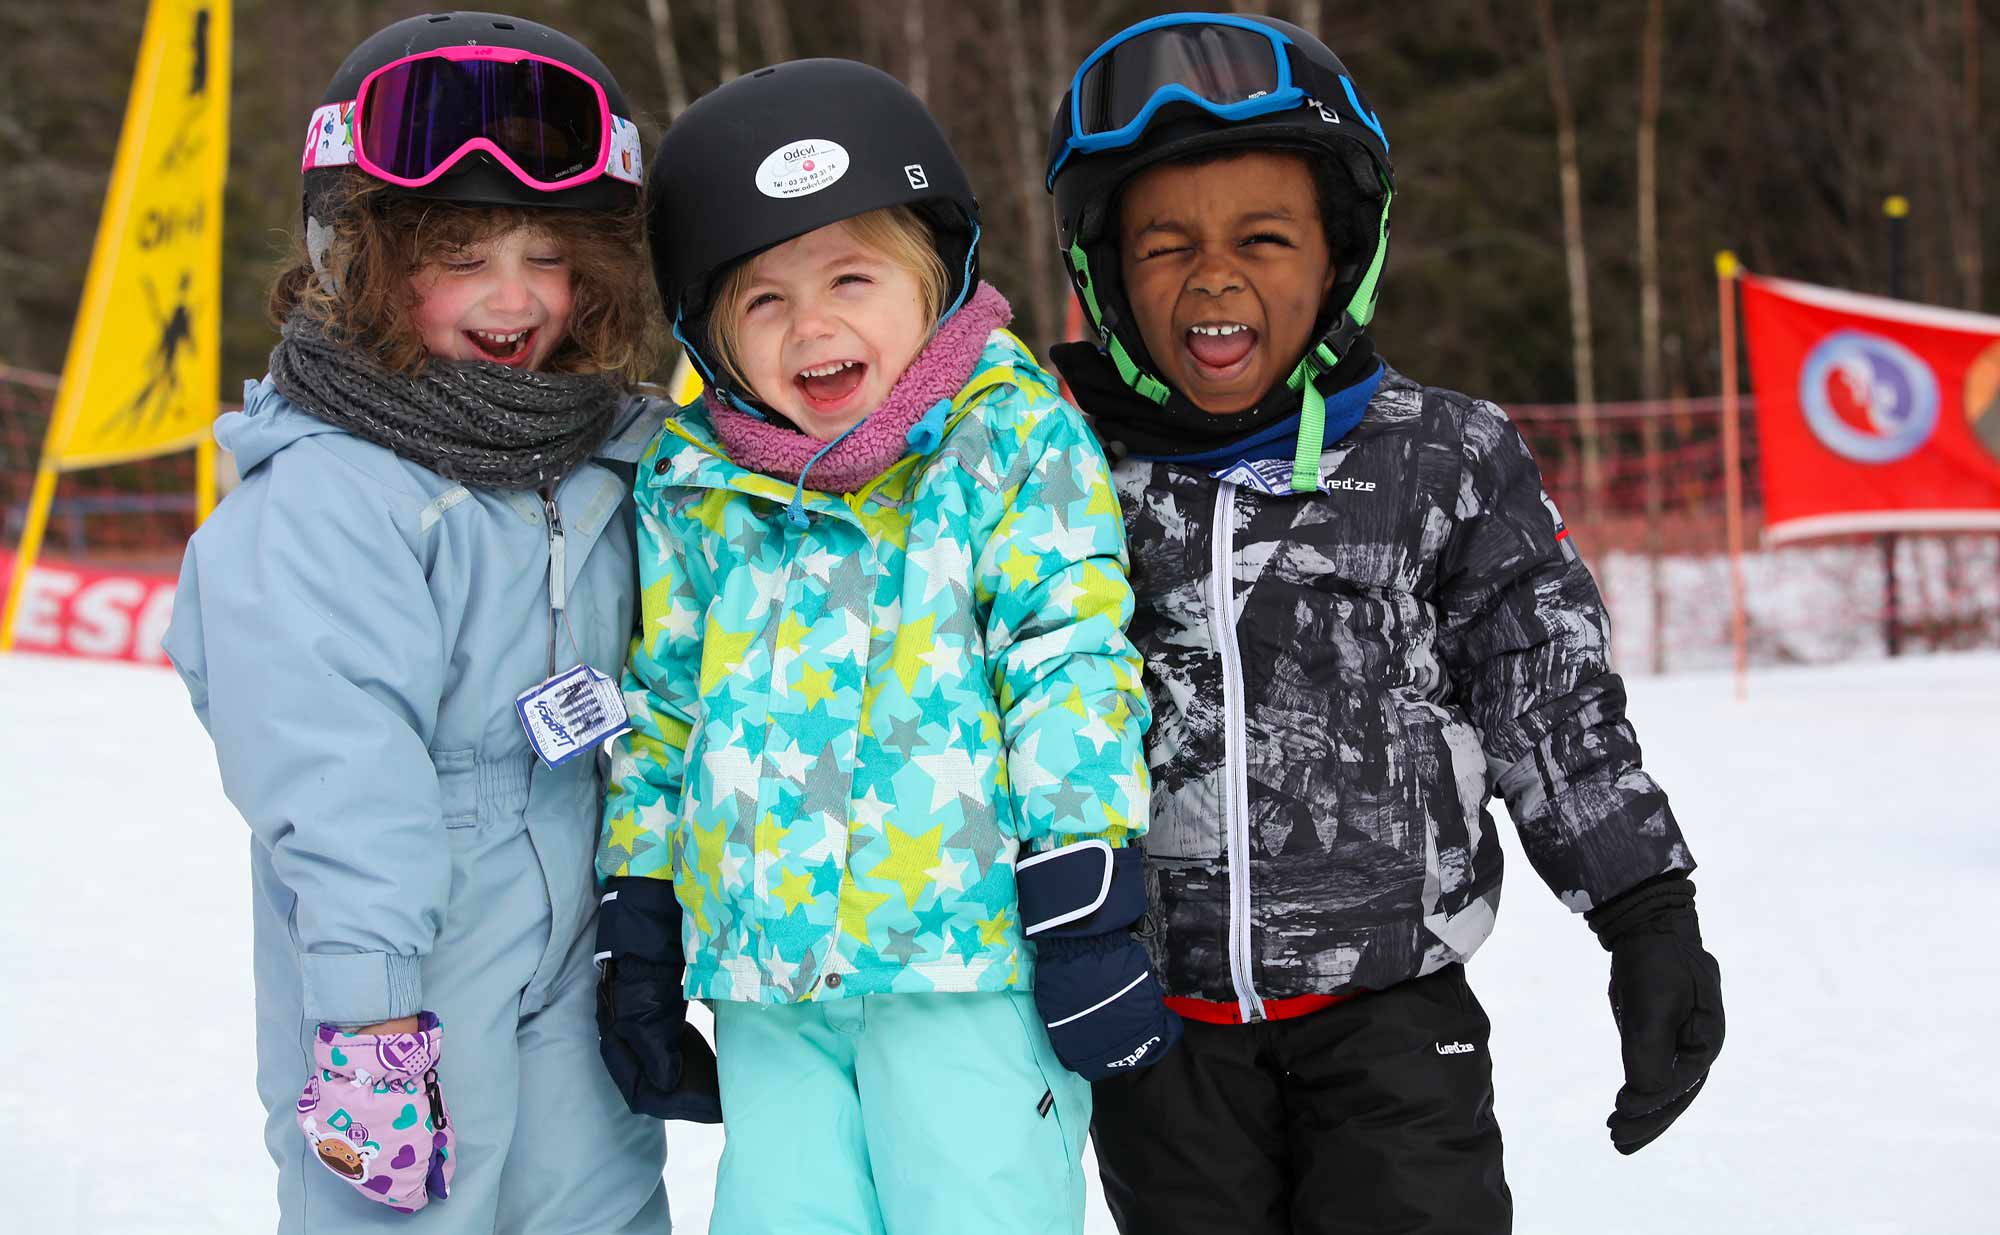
x: 1845, y: 817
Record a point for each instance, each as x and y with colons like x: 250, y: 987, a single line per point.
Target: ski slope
x: 1845, y: 819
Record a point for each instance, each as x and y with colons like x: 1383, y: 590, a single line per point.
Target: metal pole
x: 1896, y: 208
x: 26, y: 552
x: 1732, y: 467
x: 204, y: 479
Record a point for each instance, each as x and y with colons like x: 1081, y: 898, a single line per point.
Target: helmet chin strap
x: 1321, y: 360
x: 1148, y: 386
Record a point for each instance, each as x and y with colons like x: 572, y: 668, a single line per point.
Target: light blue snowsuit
x: 353, y: 629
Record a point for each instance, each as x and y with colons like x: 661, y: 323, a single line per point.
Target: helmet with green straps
x: 1192, y: 84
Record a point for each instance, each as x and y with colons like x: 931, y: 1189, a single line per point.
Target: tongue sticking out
x: 1219, y: 351
x: 835, y: 386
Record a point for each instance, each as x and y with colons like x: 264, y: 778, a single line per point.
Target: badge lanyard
x: 578, y: 709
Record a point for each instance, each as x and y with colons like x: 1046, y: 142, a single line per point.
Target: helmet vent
x: 503, y: 25
x: 764, y: 72
x: 435, y: 20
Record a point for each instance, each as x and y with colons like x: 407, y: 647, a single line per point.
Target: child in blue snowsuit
x: 435, y: 517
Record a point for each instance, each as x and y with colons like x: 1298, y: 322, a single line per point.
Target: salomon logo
x: 1455, y: 1048
x: 1139, y: 1054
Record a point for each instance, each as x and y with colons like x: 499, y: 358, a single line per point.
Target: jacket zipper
x: 558, y: 567
x: 1235, y: 741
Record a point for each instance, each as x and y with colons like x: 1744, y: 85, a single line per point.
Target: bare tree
x: 1971, y: 255
x: 916, y: 50
x: 1649, y: 310
x: 869, y: 18
x: 669, y: 58
x: 728, y: 42
x: 1648, y: 202
x: 1058, y: 32
x: 1576, y: 258
x: 1027, y: 127
x: 774, y: 31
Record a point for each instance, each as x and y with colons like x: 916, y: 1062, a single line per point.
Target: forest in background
x: 1520, y: 267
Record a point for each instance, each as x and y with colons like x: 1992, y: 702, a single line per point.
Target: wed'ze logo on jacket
x: 1274, y: 477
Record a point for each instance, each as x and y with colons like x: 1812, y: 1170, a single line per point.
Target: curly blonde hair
x: 381, y: 239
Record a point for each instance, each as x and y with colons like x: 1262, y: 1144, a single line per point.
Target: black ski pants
x: 1369, y: 1117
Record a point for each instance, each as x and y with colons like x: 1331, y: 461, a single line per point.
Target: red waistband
x: 1215, y: 1012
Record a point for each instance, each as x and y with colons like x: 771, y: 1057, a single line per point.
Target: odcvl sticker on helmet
x: 801, y: 167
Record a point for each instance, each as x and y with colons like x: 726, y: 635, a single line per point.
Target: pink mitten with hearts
x: 374, y: 1115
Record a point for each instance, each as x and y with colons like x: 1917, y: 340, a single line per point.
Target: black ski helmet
x: 1334, y: 123
x: 787, y: 150
x: 478, y: 179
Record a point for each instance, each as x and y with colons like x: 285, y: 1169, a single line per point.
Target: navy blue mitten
x: 660, y: 1063
x: 1093, y: 984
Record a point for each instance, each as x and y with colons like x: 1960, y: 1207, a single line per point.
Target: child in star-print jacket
x: 887, y: 744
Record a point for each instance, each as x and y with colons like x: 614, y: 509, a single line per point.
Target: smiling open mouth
x: 508, y: 347
x: 1219, y: 345
x: 827, y: 384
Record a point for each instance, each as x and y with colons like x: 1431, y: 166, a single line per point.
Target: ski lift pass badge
x: 574, y: 711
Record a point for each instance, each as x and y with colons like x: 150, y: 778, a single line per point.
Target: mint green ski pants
x: 897, y: 1115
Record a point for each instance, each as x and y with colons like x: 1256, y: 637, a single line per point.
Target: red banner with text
x: 1873, y: 415
x: 69, y: 610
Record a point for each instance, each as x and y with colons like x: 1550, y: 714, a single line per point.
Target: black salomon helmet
x: 477, y: 178
x: 784, y: 151
x: 1194, y: 83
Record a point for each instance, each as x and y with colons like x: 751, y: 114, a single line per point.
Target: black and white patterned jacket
x: 1340, y: 682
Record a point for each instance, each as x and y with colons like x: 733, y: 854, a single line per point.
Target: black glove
x: 1666, y: 995
x: 1093, y: 984
x: 662, y: 1064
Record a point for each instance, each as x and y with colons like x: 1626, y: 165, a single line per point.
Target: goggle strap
x: 329, y: 137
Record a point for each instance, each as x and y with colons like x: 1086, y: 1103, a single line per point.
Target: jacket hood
x: 268, y: 423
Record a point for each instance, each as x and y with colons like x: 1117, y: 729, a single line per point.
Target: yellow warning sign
x: 142, y: 374
x: 143, y: 369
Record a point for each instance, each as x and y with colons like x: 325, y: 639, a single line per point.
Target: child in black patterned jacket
x: 1361, y: 615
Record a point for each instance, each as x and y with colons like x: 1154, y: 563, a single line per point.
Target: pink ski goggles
x: 416, y: 118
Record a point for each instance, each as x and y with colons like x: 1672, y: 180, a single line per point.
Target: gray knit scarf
x: 474, y: 422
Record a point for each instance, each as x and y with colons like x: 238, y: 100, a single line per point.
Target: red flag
x: 1872, y: 414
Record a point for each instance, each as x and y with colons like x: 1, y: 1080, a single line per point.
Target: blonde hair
x: 895, y: 233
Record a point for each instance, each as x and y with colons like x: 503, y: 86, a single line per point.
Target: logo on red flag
x: 1872, y: 414
x: 1868, y: 398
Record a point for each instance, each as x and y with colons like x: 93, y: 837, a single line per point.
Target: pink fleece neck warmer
x: 940, y: 370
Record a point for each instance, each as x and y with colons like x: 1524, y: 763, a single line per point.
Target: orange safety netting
x: 1652, y: 526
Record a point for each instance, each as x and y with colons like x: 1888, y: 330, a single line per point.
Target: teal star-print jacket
x: 845, y: 731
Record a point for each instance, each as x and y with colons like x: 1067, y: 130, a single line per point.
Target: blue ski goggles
x: 1229, y: 66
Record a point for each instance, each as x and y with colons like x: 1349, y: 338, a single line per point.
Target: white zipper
x: 1235, y: 745
x: 558, y: 568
